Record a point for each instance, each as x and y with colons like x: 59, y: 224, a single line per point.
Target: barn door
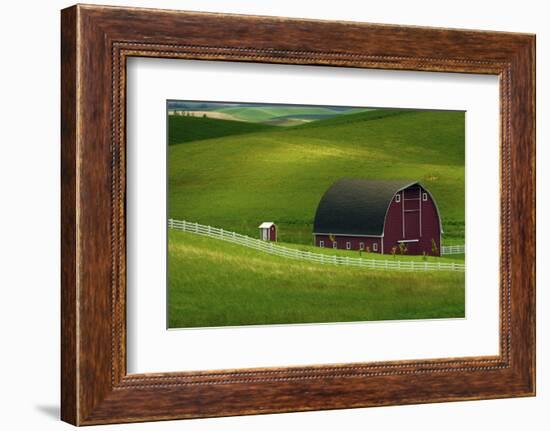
x: 412, y: 224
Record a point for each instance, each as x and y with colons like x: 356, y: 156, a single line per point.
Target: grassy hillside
x: 265, y: 113
x: 355, y: 118
x: 214, y: 283
x: 184, y: 129
x: 286, y: 121
x: 279, y: 174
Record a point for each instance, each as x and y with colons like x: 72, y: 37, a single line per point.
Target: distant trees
x: 184, y: 113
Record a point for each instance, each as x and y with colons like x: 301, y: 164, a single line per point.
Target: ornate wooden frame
x: 95, y: 42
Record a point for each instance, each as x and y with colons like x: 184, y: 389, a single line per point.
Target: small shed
x: 268, y: 231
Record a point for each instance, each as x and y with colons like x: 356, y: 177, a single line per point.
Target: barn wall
x: 427, y: 218
x: 430, y: 226
x: 272, y: 233
x: 393, y: 227
x: 354, y: 240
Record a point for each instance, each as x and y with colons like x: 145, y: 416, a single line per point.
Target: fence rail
x: 452, y: 249
x: 278, y: 250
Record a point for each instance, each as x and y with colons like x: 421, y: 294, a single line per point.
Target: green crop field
x: 279, y: 174
x: 215, y: 283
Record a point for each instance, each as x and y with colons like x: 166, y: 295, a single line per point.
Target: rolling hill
x: 184, y: 129
x: 266, y: 113
x: 235, y: 177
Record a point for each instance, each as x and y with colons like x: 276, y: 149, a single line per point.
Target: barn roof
x: 355, y: 206
x: 266, y: 224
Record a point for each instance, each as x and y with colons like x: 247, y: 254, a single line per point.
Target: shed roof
x: 355, y: 206
x: 266, y: 225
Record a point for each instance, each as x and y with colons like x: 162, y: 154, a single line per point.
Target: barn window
x: 424, y: 196
x: 348, y: 245
x: 321, y: 243
x: 398, y: 198
x: 334, y: 244
x: 374, y: 246
x: 361, y: 246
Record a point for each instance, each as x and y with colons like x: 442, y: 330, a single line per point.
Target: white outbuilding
x: 268, y: 231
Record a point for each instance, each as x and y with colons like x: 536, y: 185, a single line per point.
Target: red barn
x: 377, y: 215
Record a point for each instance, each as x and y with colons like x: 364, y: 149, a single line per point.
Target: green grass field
x: 215, y: 283
x: 245, y: 177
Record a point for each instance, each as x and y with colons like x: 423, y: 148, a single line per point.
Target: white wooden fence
x: 278, y: 250
x: 452, y: 249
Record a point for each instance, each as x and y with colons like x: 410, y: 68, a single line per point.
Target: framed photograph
x: 281, y: 215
